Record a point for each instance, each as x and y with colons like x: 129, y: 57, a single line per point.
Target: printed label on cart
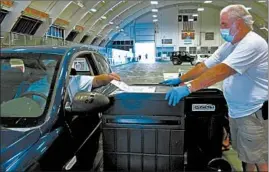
x: 203, y: 107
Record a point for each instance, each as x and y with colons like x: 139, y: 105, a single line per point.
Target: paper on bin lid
x: 138, y: 89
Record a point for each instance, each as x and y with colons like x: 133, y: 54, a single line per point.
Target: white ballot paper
x: 137, y: 89
x: 169, y: 75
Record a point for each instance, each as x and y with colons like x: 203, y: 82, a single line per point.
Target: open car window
x: 26, y: 84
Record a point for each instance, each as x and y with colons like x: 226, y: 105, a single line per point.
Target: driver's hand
x: 104, y: 79
x: 114, y: 76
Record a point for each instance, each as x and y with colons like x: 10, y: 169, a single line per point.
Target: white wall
x: 169, y: 28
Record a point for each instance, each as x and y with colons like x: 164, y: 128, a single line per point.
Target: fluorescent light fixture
x: 154, y: 10
x: 208, y: 2
x: 154, y: 16
x: 93, y: 10
x: 2, y: 37
x: 200, y: 9
x: 248, y: 8
x: 261, y: 1
x: 103, y: 17
x: 154, y: 2
x: 191, y: 20
x: 195, y: 15
x: 155, y: 20
x: 264, y: 28
x: 111, y: 22
x: 80, y: 4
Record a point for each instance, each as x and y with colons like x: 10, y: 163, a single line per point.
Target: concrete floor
x: 143, y: 73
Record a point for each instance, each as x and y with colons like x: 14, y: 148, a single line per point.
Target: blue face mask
x: 226, y: 35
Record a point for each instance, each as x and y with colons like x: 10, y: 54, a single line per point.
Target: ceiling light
x: 117, y: 27
x: 264, y: 28
x: 262, y: 1
x: 104, y: 1
x: 154, y: 2
x: 154, y: 10
x: 195, y: 15
x: 155, y: 20
x: 248, y: 8
x: 121, y: 30
x: 80, y: 4
x: 200, y: 9
x: 111, y: 22
x: 154, y: 16
x: 208, y: 2
x: 93, y: 10
x: 191, y: 20
x: 103, y: 17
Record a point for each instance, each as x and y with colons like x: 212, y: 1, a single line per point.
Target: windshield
x: 26, y: 84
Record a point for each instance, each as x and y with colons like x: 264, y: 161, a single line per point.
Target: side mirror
x: 88, y: 102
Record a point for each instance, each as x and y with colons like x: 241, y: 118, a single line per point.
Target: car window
x: 26, y: 83
x: 102, y: 64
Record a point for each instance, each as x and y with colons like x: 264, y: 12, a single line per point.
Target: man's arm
x: 194, y: 72
x: 104, y: 79
x: 212, y: 76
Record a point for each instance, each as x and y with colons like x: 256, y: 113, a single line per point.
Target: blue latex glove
x: 176, y: 94
x: 174, y: 81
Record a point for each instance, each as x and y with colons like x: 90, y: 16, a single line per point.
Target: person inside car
x: 87, y: 83
x: 76, y: 82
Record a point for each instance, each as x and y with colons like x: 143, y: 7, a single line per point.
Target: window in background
x: 204, y: 50
x: 56, y: 32
x: 192, y: 50
x: 167, y: 41
x: 209, y: 36
x: 72, y: 35
x: 213, y: 49
x: 182, y: 48
x: 26, y: 25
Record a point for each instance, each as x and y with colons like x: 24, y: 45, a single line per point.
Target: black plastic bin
x: 142, y: 133
x: 205, y: 114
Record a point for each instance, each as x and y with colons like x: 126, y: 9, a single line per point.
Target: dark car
x: 42, y: 131
x: 178, y: 57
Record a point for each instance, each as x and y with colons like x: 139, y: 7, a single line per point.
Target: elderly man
x: 242, y: 62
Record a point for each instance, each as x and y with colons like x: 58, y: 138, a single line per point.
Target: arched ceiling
x: 103, y: 19
x: 259, y: 11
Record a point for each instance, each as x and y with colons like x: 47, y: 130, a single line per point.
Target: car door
x: 84, y: 127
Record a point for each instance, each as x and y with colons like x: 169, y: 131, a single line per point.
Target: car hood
x: 15, y: 143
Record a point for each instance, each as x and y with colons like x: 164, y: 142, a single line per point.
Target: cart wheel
x: 219, y: 164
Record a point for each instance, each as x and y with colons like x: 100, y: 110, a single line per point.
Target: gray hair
x: 239, y: 11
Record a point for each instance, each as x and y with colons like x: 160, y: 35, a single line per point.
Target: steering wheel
x: 32, y: 93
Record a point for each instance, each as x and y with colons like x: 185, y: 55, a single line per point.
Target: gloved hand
x: 176, y: 94
x: 174, y: 81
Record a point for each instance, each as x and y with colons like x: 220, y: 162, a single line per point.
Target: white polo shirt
x: 246, y: 90
x: 79, y: 83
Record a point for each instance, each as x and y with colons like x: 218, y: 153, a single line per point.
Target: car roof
x: 58, y: 50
